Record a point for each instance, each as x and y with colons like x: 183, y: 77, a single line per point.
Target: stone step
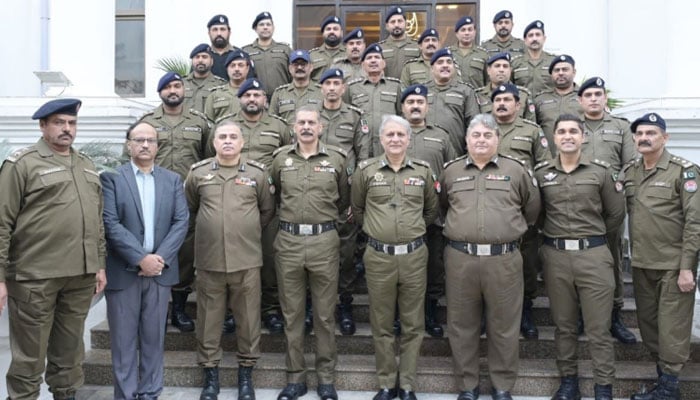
x: 357, y: 372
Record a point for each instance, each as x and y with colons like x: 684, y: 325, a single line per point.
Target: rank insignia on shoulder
x: 690, y: 186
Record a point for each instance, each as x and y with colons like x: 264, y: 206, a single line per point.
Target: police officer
x: 201, y: 81
x: 269, y: 56
x: 223, y: 100
x: 53, y: 254
x: 301, y: 91
x: 499, y: 72
x: 385, y: 190
x: 230, y: 200
x: 182, y: 137
x: 531, y: 69
x: 503, y: 41
x: 560, y: 99
x: 664, y: 210
x: 374, y: 93
x: 398, y: 47
x: 332, y: 48
x: 432, y: 144
x: 578, y: 266
x: 469, y: 57
x: 311, y: 180
x: 219, y: 34
x: 609, y: 139
x: 490, y: 201
x: 452, y: 104
x: 355, y: 45
x: 417, y: 70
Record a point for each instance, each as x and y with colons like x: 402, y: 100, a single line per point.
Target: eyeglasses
x: 144, y: 140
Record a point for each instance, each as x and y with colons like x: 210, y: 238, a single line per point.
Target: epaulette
x: 522, y: 162
x: 314, y: 49
x: 462, y: 157
x: 355, y: 80
x: 527, y: 121
x: 391, y: 78
x: 220, y: 87
x: 218, y: 78
x: 280, y: 87
x: 223, y: 117
x: 366, y: 163
x: 681, y: 161
x: 19, y: 153
x: 526, y: 90
x: 432, y: 139
x: 420, y: 162
x: 199, y: 114
x: 275, y: 116
x: 283, y: 43
x: 515, y: 57
x: 541, y: 164
x: 620, y: 118
x: 338, y: 59
x: 541, y: 92
x: 628, y: 164
x: 481, y: 48
x: 602, y: 163
x: 413, y: 60
x: 256, y: 164
x: 381, y: 41
x: 357, y: 109
x: 200, y: 163
x: 281, y: 149
x: 147, y: 113
x: 337, y: 149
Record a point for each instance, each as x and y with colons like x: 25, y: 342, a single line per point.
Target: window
x: 129, y: 48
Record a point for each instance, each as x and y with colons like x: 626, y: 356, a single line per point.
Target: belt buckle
x: 401, y: 249
x: 306, y: 229
x: 483, y: 249
x: 571, y: 245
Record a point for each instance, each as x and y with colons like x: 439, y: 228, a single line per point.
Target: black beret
x: 249, y: 84
x: 649, y: 119
x: 58, y: 106
x: 263, y: 15
x: 236, y: 55
x: 220, y: 19
x: 331, y: 73
x: 394, y: 10
x: 443, y: 52
x: 200, y: 48
x: 506, y: 88
x: 562, y: 58
x: 372, y: 48
x: 356, y: 33
x: 498, y: 56
x: 463, y: 21
x: 594, y: 82
x: 414, y: 89
x: 330, y: 20
x: 299, y: 55
x: 428, y: 33
x: 167, y: 78
x: 504, y: 14
x: 537, y: 24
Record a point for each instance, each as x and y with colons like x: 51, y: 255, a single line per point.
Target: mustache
x: 415, y: 110
x: 501, y: 108
x: 644, y: 143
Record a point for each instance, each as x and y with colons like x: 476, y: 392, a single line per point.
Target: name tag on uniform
x: 494, y: 177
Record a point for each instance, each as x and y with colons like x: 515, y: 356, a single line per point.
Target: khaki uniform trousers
x: 665, y: 317
x: 615, y: 245
x: 240, y: 292
x: 436, y: 265
x: 47, y: 320
x: 268, y: 274
x: 348, y: 245
x: 585, y: 277
x: 475, y: 283
x: 313, y: 259
x: 529, y: 249
x: 392, y: 280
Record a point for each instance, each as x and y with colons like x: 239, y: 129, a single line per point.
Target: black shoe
x: 292, y: 391
x: 500, y: 394
x: 407, y: 395
x: 345, y: 320
x: 385, y: 394
x: 309, y: 317
x: 210, y: 391
x: 327, y: 391
x: 178, y: 318
x: 432, y: 326
x: 229, y: 323
x: 666, y: 388
x: 469, y: 394
x: 603, y: 392
x: 273, y: 323
x: 618, y: 329
x: 397, y: 327
x: 246, y: 391
x: 568, y: 389
x: 527, y: 325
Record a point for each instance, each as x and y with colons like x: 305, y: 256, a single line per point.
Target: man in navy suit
x: 146, y: 219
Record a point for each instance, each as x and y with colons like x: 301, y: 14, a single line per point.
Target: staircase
x: 355, y: 369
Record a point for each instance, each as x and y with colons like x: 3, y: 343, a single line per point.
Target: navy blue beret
x: 356, y: 33
x: 167, y: 78
x: 463, y: 21
x: 263, y: 15
x: 249, y: 84
x: 200, y: 48
x: 443, y: 52
x: 331, y: 73
x: 299, y: 55
x: 498, y: 56
x: 330, y: 20
x: 592, y: 83
x: 562, y: 58
x: 537, y: 24
x: 414, y: 89
x: 220, y: 19
x: 394, y: 10
x: 237, y: 55
x: 372, y: 48
x: 504, y: 14
x: 506, y: 88
x: 649, y: 119
x: 428, y: 33
x: 58, y: 106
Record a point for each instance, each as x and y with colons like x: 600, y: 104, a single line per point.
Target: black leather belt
x: 306, y: 229
x: 476, y: 249
x: 575, y: 244
x: 395, y: 249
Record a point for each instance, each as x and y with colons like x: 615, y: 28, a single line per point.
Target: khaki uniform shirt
x: 182, y: 144
x: 287, y: 98
x: 322, y: 57
x: 350, y: 70
x: 394, y: 207
x: 527, y: 108
x: 416, y: 70
x: 451, y: 107
x: 431, y: 144
x: 664, y: 209
x: 347, y: 129
x: 375, y: 101
x: 313, y: 190
x: 228, y: 206
x: 489, y: 206
x: 581, y: 203
x: 533, y: 74
x: 221, y: 102
x: 523, y: 140
x: 396, y: 53
x: 271, y: 64
x: 514, y: 46
x: 610, y: 141
x: 197, y: 90
x: 51, y: 215
x: 471, y: 64
x: 549, y: 105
